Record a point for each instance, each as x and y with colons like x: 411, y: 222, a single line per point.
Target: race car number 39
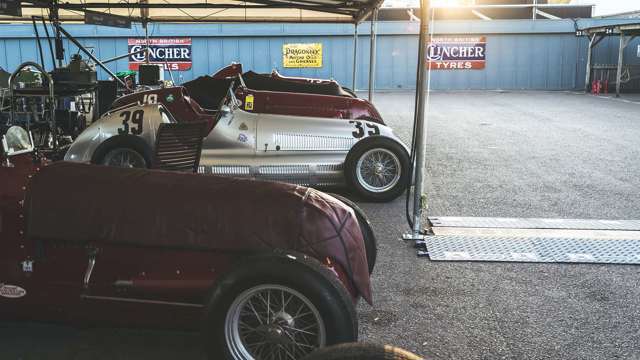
x: 360, y: 129
x: 136, y: 118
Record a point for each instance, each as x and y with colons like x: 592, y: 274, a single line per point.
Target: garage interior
x: 528, y: 161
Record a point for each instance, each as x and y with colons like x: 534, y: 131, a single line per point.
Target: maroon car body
x: 292, y: 96
x: 136, y: 247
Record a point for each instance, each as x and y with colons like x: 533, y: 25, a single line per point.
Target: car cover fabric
x: 261, y: 82
x: 84, y: 203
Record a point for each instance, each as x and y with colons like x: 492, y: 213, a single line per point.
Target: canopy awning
x: 336, y: 11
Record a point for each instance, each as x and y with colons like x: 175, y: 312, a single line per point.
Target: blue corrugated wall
x: 521, y: 54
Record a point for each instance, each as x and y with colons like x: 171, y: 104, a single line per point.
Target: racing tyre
x: 370, y: 242
x: 377, y: 168
x: 277, y: 306
x: 362, y: 352
x: 124, y: 157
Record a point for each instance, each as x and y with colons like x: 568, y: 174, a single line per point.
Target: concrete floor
x: 521, y: 154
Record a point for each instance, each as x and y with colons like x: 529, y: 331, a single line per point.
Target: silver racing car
x: 315, y: 151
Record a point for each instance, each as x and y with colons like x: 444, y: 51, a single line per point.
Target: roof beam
x: 480, y: 15
x: 547, y: 15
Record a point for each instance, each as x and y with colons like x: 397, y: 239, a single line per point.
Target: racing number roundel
x: 360, y: 131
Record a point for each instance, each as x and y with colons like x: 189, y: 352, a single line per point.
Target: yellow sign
x: 302, y: 55
x: 248, y: 102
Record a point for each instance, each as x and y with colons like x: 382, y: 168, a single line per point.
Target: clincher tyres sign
x: 172, y: 53
x: 457, y: 53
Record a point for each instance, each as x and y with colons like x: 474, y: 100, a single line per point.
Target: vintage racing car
x: 291, y: 137
x: 264, y: 269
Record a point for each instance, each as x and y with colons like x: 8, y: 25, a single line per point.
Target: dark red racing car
x: 265, y: 270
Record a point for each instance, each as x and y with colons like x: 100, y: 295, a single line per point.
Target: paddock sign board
x: 173, y: 53
x: 457, y: 53
x: 302, y: 55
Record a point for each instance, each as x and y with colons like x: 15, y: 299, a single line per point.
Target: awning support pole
x: 587, y: 78
x: 355, y: 57
x: 421, y: 122
x: 620, y: 62
x: 372, y: 54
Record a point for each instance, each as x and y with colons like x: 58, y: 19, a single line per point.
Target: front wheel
x: 377, y: 168
x: 277, y: 306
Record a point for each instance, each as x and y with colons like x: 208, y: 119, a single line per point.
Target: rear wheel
x: 378, y: 168
x: 277, y: 307
x: 124, y: 157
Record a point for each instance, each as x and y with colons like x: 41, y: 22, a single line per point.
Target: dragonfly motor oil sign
x: 302, y: 55
x: 172, y: 53
x: 457, y: 53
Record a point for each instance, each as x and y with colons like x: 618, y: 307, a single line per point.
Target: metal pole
x: 620, y: 62
x: 124, y: 56
x: 46, y: 31
x: 35, y: 29
x: 587, y: 78
x: 421, y: 120
x: 535, y: 10
x: 355, y: 57
x: 372, y: 54
x: 55, y: 20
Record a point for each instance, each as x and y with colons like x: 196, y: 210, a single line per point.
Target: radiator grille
x: 300, y: 142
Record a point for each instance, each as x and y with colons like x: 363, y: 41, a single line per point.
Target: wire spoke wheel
x: 273, y: 322
x: 378, y: 170
x: 125, y: 158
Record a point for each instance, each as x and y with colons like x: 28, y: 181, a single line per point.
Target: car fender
x: 392, y: 138
x: 388, y: 132
x: 126, y: 124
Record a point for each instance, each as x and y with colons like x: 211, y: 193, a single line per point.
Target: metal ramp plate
x: 544, y: 249
x: 535, y: 223
x: 534, y: 240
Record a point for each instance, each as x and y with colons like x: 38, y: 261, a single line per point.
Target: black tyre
x: 377, y: 167
x: 123, y: 151
x: 124, y: 157
x: 277, y: 303
x: 362, y: 352
x: 370, y: 242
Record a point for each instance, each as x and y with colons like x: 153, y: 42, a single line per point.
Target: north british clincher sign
x: 173, y: 53
x: 457, y: 53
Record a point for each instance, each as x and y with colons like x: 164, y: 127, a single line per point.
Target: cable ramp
x: 532, y: 240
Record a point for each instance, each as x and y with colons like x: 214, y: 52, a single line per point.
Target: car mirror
x: 16, y: 141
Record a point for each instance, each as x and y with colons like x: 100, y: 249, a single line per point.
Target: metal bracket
x: 417, y: 236
x: 422, y: 253
x: 408, y: 236
x: 92, y: 253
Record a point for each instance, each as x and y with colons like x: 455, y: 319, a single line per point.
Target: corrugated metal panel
x: 543, y: 55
